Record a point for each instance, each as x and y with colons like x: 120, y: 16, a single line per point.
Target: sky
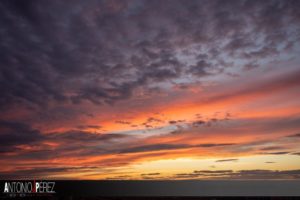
x: 168, y: 90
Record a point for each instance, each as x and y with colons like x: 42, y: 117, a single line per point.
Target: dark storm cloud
x: 101, y: 51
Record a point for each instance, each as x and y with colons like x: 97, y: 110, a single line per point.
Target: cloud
x: 204, y: 173
x: 84, y: 136
x: 161, y: 147
x: 14, y: 133
x: 227, y: 160
x: 62, y: 63
x: 154, y: 147
x: 296, y: 153
x: 200, y: 69
x: 267, y: 174
x: 122, y: 122
x: 151, y: 174
x: 212, y: 171
x: 89, y: 126
x: 42, y: 172
x: 151, y: 122
x: 272, y: 148
x: 198, y: 123
x: 266, y: 87
x: 277, y: 153
x: 20, y: 141
x: 215, y: 145
x: 102, y: 57
x: 294, y: 135
x: 240, y: 174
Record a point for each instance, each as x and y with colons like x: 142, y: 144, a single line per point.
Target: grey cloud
x: 294, y: 135
x: 151, y: 122
x: 121, y: 177
x: 161, y: 147
x: 15, y: 133
x: 88, y: 126
x: 267, y: 174
x: 272, y: 148
x: 42, y: 172
x: 176, y: 121
x: 151, y: 174
x: 227, y: 160
x: 154, y: 147
x: 198, y: 123
x: 54, y: 51
x: 242, y: 174
x: 79, y: 136
x: 251, y: 65
x: 277, y: 153
x: 212, y: 171
x: 57, y: 52
x: 215, y: 145
x: 204, y: 173
x: 200, y: 69
x: 209, y: 122
x: 122, y: 122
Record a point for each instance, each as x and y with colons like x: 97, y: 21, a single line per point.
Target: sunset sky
x: 197, y: 89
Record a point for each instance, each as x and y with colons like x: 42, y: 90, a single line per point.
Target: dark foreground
x: 163, y: 190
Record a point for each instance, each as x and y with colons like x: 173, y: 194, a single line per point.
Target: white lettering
x: 5, y: 187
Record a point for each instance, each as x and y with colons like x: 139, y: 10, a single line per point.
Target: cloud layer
x: 96, y: 89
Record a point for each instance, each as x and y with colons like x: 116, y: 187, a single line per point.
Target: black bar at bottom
x: 186, y: 188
